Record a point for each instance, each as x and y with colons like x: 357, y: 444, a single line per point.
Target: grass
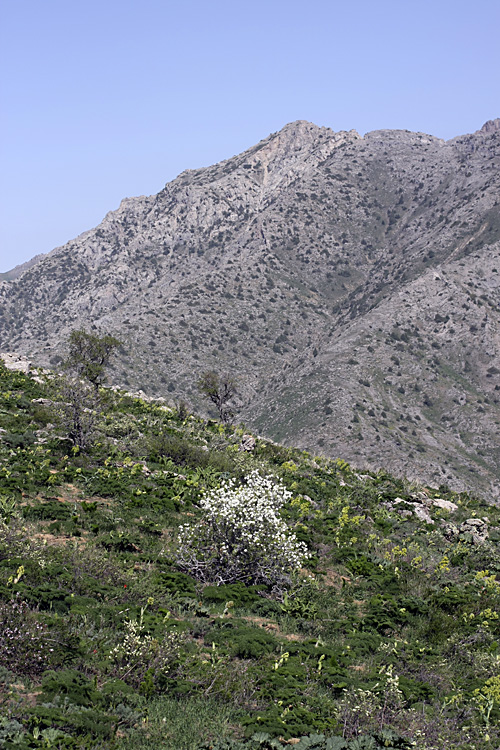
x: 173, y: 724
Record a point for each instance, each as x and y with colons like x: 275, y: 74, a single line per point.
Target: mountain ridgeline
x: 351, y: 284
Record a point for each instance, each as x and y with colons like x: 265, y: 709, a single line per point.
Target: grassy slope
x: 394, y: 625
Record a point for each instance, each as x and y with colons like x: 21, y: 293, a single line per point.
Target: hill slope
x: 386, y: 637
x: 351, y: 283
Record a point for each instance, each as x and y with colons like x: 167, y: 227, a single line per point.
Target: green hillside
x: 386, y: 637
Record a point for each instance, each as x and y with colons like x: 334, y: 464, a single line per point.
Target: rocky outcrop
x: 16, y: 362
x: 247, y: 443
x: 420, y: 505
x: 491, y: 126
x: 476, y: 529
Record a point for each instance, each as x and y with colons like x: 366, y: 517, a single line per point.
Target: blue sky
x: 111, y: 99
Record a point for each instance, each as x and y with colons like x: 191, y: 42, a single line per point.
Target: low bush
x: 25, y: 643
x: 242, y: 641
x: 237, y: 593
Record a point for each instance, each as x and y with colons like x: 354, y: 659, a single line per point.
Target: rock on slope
x: 350, y: 282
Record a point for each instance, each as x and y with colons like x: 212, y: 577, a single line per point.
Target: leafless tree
x: 78, y: 409
x: 220, y: 390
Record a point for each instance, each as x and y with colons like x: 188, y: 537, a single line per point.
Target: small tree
x: 78, y: 410
x: 241, y: 536
x: 89, y: 355
x: 80, y: 404
x: 220, y: 390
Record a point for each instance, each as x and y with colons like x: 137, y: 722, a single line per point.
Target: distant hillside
x: 351, y: 283
x: 18, y: 270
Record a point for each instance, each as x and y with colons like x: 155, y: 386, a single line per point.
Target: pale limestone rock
x: 16, y: 362
x: 444, y: 504
x: 477, y: 528
x: 247, y: 443
x: 422, y: 514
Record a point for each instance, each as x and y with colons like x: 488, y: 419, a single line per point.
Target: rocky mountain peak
x: 491, y: 126
x: 306, y: 136
x: 289, y: 154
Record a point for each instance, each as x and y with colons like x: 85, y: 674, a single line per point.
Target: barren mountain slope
x: 351, y: 284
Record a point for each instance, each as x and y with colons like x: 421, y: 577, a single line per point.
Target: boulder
x: 247, y: 443
x: 422, y: 514
x: 475, y: 529
x: 438, y: 502
x: 450, y: 531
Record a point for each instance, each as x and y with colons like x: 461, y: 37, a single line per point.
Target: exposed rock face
x: 351, y: 282
x: 444, y: 504
x: 491, y: 126
x: 16, y: 362
x: 247, y: 443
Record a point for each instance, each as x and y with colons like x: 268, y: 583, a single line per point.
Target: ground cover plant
x: 170, y: 587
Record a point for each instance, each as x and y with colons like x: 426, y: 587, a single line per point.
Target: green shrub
x: 69, y: 684
x: 238, y: 593
x: 177, y: 583
x: 19, y: 440
x: 74, y: 719
x: 48, y: 597
x: 363, y: 643
x: 242, y: 641
x: 180, y: 450
x: 49, y: 510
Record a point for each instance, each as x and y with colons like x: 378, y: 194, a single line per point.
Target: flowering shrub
x: 25, y: 645
x: 139, y: 652
x: 241, y: 536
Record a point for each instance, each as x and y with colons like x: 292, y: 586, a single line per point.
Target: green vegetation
x: 89, y: 355
x: 386, y: 638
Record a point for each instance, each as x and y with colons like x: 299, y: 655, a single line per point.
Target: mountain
x: 351, y: 283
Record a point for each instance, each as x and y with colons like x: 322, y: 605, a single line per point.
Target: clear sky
x: 107, y: 99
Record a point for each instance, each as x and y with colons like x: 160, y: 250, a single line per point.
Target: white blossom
x: 241, y: 535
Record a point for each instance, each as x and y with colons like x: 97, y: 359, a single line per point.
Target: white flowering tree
x: 241, y: 536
